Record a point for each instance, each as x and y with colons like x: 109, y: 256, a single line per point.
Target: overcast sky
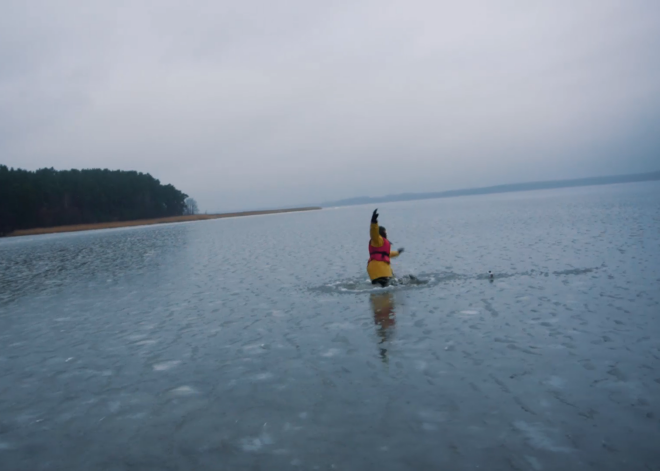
x: 257, y: 103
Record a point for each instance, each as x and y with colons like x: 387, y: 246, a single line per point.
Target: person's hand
x: 374, y: 217
x: 400, y: 250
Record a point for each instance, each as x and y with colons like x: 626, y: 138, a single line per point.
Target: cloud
x: 269, y: 104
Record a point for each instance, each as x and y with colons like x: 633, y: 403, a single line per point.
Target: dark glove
x: 400, y: 250
x: 374, y: 217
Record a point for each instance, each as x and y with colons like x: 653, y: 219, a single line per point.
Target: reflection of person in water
x: 384, y: 317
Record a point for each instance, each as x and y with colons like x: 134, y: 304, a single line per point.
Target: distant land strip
x: 547, y: 185
x: 147, y: 222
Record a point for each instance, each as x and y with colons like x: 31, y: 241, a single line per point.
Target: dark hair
x: 382, y: 231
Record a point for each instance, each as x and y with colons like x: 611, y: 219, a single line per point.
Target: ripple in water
x: 428, y: 280
x: 363, y: 285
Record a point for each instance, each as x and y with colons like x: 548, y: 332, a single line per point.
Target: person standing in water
x: 380, y: 253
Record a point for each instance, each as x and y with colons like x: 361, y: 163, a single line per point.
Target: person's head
x: 382, y: 231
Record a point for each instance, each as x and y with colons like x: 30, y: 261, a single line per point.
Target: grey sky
x: 260, y: 104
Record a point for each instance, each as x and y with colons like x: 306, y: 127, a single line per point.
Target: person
x: 380, y: 253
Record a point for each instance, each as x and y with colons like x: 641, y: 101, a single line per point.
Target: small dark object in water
x: 411, y: 280
x: 490, y: 275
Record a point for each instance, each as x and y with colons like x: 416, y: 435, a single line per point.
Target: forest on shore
x: 49, y: 197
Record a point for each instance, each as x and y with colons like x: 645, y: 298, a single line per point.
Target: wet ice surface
x: 257, y: 343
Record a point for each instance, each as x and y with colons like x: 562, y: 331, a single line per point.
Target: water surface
x: 258, y: 343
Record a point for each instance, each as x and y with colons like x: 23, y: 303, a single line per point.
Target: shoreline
x: 149, y: 222
x: 499, y: 189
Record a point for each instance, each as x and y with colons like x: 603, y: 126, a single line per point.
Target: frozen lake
x: 258, y: 343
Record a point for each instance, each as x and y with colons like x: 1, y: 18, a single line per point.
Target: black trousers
x: 383, y: 281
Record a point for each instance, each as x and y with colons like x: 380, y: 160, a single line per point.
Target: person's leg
x: 384, y: 281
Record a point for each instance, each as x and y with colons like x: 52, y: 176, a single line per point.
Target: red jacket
x: 380, y: 254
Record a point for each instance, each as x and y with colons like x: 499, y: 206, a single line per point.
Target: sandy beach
x: 146, y: 222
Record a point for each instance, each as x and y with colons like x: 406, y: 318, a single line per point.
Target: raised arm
x: 376, y: 239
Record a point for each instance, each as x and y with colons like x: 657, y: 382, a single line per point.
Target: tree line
x: 49, y: 197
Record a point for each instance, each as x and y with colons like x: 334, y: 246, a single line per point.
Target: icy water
x: 257, y: 343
